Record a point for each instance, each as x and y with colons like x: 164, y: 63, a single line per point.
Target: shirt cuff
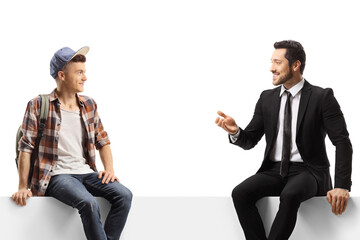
x: 234, y: 137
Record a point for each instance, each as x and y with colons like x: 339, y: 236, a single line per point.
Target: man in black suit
x: 295, y: 118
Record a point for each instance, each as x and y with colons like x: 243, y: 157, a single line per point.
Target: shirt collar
x: 53, y: 96
x: 295, y: 89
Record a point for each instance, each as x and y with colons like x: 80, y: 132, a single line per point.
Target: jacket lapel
x: 275, y: 111
x: 304, y: 100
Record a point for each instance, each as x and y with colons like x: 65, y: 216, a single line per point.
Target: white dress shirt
x: 276, y: 152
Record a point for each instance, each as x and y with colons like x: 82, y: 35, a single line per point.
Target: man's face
x: 280, y: 67
x: 75, y: 77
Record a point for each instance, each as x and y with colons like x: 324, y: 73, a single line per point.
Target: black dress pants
x: 297, y: 187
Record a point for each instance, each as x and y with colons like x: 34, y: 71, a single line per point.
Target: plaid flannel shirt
x: 47, y: 157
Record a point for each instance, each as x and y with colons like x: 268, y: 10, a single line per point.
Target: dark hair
x: 294, y: 52
x: 78, y: 58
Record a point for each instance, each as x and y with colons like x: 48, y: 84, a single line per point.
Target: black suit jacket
x: 319, y: 114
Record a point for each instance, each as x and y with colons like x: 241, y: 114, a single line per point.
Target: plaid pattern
x: 46, y: 160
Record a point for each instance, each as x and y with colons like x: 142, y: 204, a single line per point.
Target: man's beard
x: 285, y: 78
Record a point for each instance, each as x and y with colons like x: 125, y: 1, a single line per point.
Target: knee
x: 88, y: 206
x: 123, y: 199
x: 127, y: 198
x: 235, y: 194
x: 239, y: 194
x: 290, y: 198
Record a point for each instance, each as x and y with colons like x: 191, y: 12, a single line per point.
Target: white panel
x: 174, y: 218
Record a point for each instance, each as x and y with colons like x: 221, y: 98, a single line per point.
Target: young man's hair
x: 294, y: 52
x: 77, y: 58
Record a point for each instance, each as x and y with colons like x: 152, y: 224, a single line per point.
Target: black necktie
x: 285, y: 157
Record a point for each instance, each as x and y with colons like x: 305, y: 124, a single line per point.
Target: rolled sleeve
x: 102, y: 140
x: 101, y: 136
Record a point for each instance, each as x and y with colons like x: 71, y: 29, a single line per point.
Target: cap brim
x: 81, y: 51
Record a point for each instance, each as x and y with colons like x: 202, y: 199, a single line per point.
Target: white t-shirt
x: 71, y: 145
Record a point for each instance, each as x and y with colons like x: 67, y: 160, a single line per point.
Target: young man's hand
x: 338, y: 198
x: 20, y: 196
x: 107, y: 176
x: 227, y: 123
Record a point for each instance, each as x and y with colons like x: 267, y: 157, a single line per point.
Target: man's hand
x: 227, y: 123
x: 20, y: 196
x: 338, y: 198
x: 107, y: 176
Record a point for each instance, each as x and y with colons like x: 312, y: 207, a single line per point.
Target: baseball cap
x: 62, y: 57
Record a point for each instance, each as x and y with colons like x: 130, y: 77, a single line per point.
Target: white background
x: 160, y: 70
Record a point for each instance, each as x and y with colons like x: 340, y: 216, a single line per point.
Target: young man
x: 295, y: 118
x: 65, y: 165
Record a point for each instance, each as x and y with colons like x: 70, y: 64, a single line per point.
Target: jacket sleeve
x: 335, y: 127
x: 252, y: 134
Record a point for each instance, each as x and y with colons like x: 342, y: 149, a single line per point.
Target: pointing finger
x: 221, y: 114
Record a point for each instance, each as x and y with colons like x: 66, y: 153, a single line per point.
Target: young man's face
x: 75, y: 77
x: 280, y: 67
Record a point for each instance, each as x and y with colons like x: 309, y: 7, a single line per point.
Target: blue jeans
x: 78, y: 191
